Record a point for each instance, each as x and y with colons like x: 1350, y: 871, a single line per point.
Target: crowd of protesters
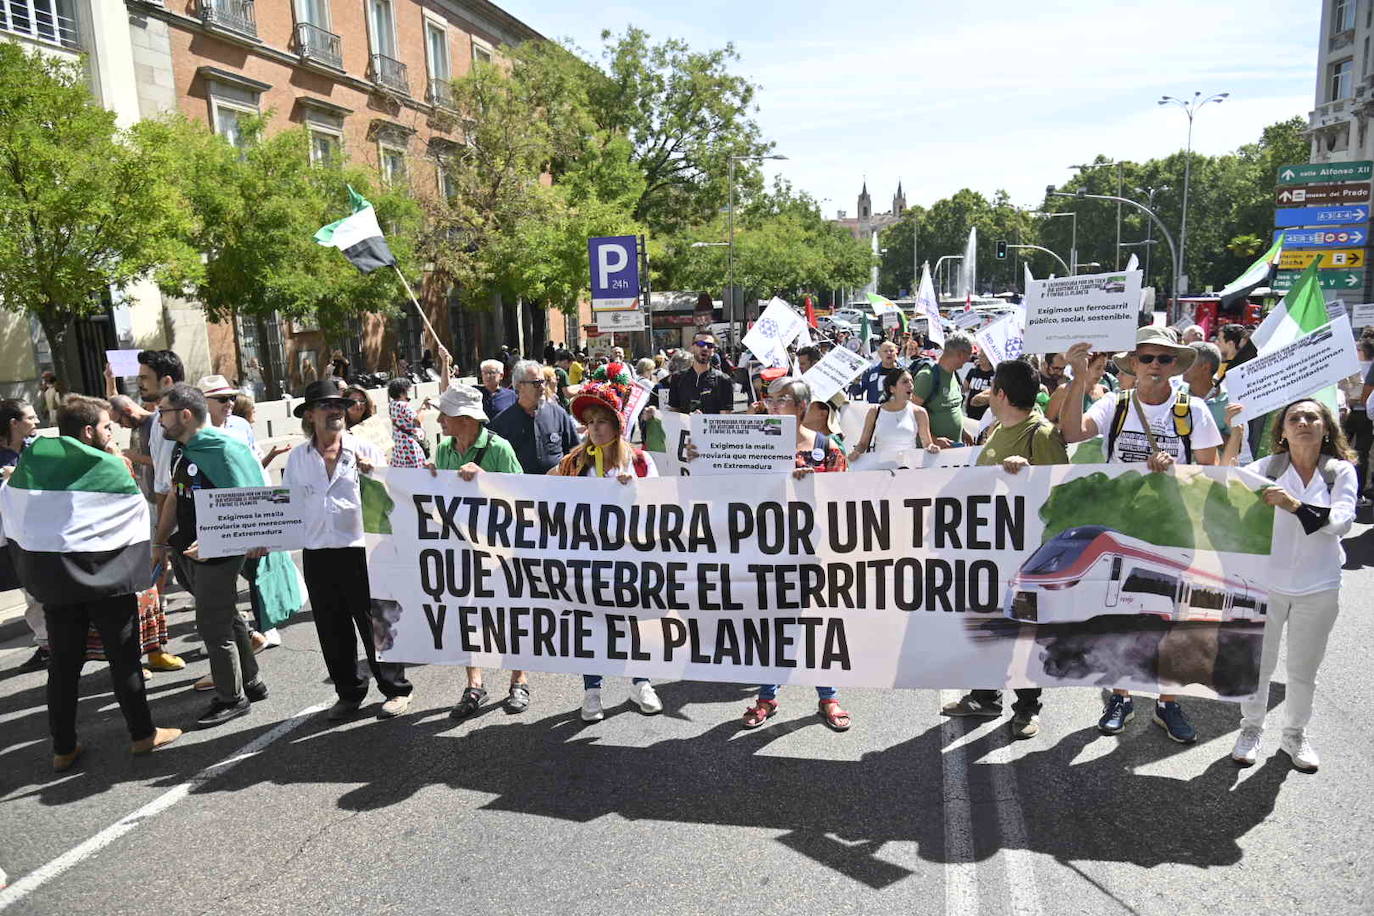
x: 1162, y: 404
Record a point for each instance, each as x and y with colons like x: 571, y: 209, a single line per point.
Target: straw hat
x: 1159, y: 337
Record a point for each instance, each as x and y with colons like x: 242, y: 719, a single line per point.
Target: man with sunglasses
x: 700, y: 388
x: 1153, y: 424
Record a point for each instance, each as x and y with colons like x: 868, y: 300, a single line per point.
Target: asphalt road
x: 681, y: 812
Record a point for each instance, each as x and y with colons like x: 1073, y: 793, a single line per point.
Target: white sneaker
x: 1248, y: 745
x: 393, y: 707
x: 591, y: 705
x: 1299, y: 750
x: 273, y: 637
x: 646, y: 698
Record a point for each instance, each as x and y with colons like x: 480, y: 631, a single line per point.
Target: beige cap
x: 216, y: 386
x: 462, y: 401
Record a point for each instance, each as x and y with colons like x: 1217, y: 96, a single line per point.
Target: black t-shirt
x: 710, y: 392
x: 978, y: 381
x: 187, y: 478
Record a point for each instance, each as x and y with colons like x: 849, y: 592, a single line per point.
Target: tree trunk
x: 57, y: 324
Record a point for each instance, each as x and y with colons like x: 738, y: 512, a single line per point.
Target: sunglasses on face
x: 335, y: 404
x: 223, y: 400
x: 1164, y: 359
x: 705, y: 345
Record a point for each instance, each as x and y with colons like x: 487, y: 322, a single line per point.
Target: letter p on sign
x: 611, y: 259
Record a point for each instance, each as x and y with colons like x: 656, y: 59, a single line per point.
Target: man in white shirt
x: 1158, y: 425
x: 327, y: 466
x: 159, y: 370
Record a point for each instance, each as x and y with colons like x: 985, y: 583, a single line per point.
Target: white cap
x: 462, y: 401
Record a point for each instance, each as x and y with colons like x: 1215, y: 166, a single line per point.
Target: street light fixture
x: 1190, y: 108
x: 1149, y: 195
x: 730, y: 270
x: 1073, y: 240
x: 1081, y: 195
x: 1120, y: 189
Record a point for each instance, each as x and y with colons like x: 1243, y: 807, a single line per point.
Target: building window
x: 1364, y: 67
x: 440, y: 90
x: 1342, y: 15
x: 383, y: 27
x: 1342, y: 79
x: 393, y: 161
x: 481, y: 54
x: 45, y: 20
x: 314, y: 12
x: 229, y: 120
x: 448, y: 186
x: 326, y: 148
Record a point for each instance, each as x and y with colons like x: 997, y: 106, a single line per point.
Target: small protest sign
x: 777, y: 327
x: 123, y: 363
x: 1098, y: 308
x: 233, y: 520
x: 1001, y: 340
x: 833, y: 373
x: 749, y: 443
x: 1303, y: 367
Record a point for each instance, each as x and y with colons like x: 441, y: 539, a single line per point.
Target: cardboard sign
x: 123, y: 363
x: 1301, y: 368
x: 1100, y: 309
x: 233, y: 520
x: 743, y: 443
x: 833, y: 373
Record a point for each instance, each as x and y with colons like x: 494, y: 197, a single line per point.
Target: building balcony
x: 40, y: 20
x: 440, y: 93
x: 315, y: 44
x: 388, y: 73
x: 232, y: 15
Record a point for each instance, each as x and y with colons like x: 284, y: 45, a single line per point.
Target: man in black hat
x: 327, y: 466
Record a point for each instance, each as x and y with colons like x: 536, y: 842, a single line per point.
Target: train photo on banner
x: 1091, y: 570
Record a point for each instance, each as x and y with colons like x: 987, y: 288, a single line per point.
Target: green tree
x: 258, y: 207
x: 84, y: 207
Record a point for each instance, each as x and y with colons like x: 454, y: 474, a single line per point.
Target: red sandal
x: 760, y: 712
x: 833, y: 715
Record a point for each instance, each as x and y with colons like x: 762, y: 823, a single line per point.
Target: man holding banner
x: 1158, y: 426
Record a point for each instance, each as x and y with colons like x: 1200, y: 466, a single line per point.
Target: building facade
x: 865, y: 223
x: 1339, y: 124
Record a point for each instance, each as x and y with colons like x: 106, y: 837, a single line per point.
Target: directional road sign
x: 1329, y: 279
x: 1346, y: 258
x: 1335, y: 237
x: 1325, y: 171
x: 1320, y: 216
x: 1321, y: 195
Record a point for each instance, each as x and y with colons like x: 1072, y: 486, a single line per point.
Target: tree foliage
x: 83, y: 205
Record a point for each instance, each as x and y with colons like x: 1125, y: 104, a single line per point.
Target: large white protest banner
x: 1098, y: 308
x: 972, y: 577
x: 742, y: 443
x: 233, y: 520
x: 833, y: 373
x: 777, y: 327
x: 1001, y: 340
x: 1301, y: 368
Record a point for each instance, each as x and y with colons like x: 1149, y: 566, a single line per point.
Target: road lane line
x: 961, y: 875
x: 1022, y: 890
x: 77, y: 854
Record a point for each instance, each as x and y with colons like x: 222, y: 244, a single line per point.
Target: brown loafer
x: 61, y: 763
x: 157, y: 739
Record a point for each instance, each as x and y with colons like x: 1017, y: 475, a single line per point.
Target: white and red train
x: 1091, y: 571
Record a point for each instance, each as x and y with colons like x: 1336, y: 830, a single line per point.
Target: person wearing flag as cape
x: 207, y: 458
x: 77, y: 530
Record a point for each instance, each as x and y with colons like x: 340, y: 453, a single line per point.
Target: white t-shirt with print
x: 1132, y: 445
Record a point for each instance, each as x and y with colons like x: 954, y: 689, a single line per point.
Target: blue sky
x: 996, y: 94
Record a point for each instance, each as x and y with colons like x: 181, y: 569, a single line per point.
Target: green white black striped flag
x: 76, y: 523
x: 358, y: 236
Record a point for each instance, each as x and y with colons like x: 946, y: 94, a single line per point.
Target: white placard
x: 233, y: 520
x: 635, y: 401
x: 833, y: 373
x: 1001, y: 340
x: 1362, y: 315
x: 777, y: 327
x: 620, y: 322
x: 123, y: 363
x: 1100, y: 309
x: 743, y: 443
x: 1301, y: 368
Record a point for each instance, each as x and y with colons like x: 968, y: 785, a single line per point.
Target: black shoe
x: 221, y: 712
x: 255, y: 693
x: 468, y: 704
x: 37, y: 661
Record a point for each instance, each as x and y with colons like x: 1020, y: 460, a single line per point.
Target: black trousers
x: 336, y: 580
x: 116, y: 620
x: 1027, y: 698
x: 1360, y: 431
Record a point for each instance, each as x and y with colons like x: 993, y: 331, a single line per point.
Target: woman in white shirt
x: 1314, y: 491
x: 605, y: 452
x: 897, y: 425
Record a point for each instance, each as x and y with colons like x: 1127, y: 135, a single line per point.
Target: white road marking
x: 961, y: 875
x: 1022, y: 891
x: 77, y: 854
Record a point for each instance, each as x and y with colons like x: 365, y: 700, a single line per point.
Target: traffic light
x: 1001, y: 251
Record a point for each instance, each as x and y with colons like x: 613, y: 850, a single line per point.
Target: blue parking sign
x: 615, y: 272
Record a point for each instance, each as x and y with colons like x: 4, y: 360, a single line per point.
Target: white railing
x: 42, y: 20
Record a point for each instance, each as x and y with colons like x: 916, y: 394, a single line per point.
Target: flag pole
x: 421, y: 312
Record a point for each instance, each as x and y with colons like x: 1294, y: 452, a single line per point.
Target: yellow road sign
x: 1331, y: 257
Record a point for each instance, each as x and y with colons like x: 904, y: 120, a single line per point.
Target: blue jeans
x: 770, y: 692
x: 593, y: 681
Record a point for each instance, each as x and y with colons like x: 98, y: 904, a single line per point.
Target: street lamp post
x: 1120, y: 190
x: 1190, y: 108
x: 1081, y: 195
x: 1149, y: 242
x: 730, y: 270
x: 1073, y: 239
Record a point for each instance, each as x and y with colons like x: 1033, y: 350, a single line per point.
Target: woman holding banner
x: 897, y: 424
x: 816, y: 453
x: 605, y: 452
x: 1314, y: 486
